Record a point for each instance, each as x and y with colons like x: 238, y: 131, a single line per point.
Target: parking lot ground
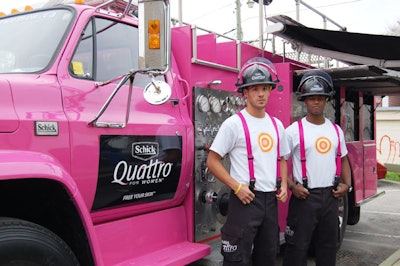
x: 375, y: 240
x: 393, y: 260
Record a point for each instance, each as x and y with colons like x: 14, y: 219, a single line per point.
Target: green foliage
x: 393, y: 176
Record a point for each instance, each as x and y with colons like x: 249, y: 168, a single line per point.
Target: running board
x: 178, y: 254
x: 157, y: 238
x: 370, y: 198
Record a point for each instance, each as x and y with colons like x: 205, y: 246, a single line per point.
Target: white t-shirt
x: 231, y: 140
x: 321, y: 142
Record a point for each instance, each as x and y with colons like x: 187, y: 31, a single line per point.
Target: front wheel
x: 354, y: 211
x: 28, y: 244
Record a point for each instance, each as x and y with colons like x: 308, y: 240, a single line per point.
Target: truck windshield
x: 29, y: 41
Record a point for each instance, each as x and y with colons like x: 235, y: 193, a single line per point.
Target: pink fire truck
x: 106, y: 116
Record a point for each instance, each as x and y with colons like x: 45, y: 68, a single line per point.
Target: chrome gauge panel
x: 211, y: 108
x: 216, y: 105
x: 202, y: 103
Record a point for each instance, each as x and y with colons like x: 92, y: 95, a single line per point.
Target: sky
x: 219, y: 16
x: 362, y: 16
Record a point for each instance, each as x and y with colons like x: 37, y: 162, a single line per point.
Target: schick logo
x: 145, y: 150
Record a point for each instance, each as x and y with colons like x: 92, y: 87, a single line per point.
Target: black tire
x: 27, y: 244
x: 354, y: 212
x: 343, y: 216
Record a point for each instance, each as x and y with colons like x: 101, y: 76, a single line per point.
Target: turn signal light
x: 154, y: 34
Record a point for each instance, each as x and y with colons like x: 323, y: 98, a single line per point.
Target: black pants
x: 317, y: 215
x: 250, y: 235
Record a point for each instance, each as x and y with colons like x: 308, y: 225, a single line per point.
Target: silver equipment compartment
x: 211, y: 108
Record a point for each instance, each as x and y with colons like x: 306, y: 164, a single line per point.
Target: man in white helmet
x: 321, y: 175
x: 257, y: 175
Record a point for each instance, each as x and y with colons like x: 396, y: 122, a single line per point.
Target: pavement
x: 368, y: 242
x: 393, y: 260
x: 216, y: 260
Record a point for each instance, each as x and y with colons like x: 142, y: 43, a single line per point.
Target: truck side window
x: 349, y: 121
x: 368, y: 115
x: 81, y: 65
x: 351, y: 116
x: 330, y: 111
x: 107, y: 49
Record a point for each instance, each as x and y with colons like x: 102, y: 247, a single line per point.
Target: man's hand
x: 245, y: 195
x: 300, y: 192
x: 341, y: 190
x: 282, y: 194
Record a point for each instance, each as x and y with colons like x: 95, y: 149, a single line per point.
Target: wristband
x: 238, y: 189
x: 349, y: 187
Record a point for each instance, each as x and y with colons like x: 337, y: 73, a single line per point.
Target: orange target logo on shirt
x: 266, y: 142
x: 323, y: 145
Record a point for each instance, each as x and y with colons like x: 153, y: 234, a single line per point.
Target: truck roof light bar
x: 117, y: 6
x: 15, y: 10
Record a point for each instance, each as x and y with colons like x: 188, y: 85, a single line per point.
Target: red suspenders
x: 338, y: 160
x: 303, y: 156
x: 250, y: 157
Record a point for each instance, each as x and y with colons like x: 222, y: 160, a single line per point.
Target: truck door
x: 359, y: 127
x: 119, y: 166
x: 369, y: 144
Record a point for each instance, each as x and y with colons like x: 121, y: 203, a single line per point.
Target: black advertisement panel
x: 137, y: 169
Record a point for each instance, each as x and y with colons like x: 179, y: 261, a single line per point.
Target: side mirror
x: 154, y: 35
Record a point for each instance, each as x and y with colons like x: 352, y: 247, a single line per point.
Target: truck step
x: 175, y: 255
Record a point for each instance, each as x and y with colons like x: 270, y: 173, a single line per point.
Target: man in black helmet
x: 254, y: 141
x: 321, y: 175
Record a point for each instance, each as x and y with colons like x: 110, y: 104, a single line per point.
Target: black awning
x: 352, y: 48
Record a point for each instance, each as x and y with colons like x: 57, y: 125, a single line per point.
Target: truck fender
x: 16, y: 164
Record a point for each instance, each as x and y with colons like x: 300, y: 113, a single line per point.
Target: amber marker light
x: 154, y: 34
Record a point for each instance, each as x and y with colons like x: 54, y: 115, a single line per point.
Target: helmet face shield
x: 256, y: 71
x: 315, y: 82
